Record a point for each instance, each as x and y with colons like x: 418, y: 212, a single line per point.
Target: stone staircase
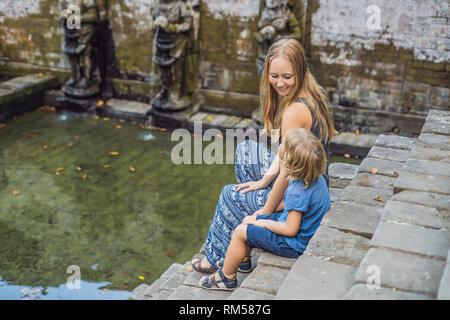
x: 388, y: 226
x: 402, y: 238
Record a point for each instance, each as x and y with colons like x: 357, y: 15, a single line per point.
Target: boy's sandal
x: 197, y: 265
x: 224, y: 284
x: 244, y: 267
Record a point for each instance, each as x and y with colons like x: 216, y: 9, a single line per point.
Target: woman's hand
x: 250, y: 186
x: 261, y: 211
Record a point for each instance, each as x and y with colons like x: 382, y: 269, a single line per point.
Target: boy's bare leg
x: 236, y: 252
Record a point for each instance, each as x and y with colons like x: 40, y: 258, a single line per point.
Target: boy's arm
x: 288, y: 228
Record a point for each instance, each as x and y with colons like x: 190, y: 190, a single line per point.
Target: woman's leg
x: 252, y: 160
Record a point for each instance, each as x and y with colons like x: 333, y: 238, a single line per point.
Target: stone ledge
x: 341, y: 174
x: 337, y: 246
x: 266, y: 279
x: 247, y: 294
x: 409, y: 238
x: 373, y: 180
x: 385, y: 167
x: 366, y: 195
x: 422, y: 182
x: 402, y: 271
x: 389, y: 154
x: 432, y: 154
x: 416, y: 214
x: 427, y: 167
x: 362, y: 292
x: 355, y: 218
x: 316, y: 279
x: 438, y: 201
x: 432, y: 140
x: 395, y: 142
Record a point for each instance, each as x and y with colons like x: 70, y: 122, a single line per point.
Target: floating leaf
x: 106, y: 119
x: 132, y: 169
x: 170, y: 253
x: 347, y: 155
x: 113, y: 153
x: 85, y: 176
x: 141, y: 277
x: 106, y: 166
x: 40, y: 74
x: 374, y: 170
x: 16, y: 192
x: 70, y: 144
x: 79, y: 169
x: 100, y: 103
x: 44, y: 147
x: 118, y: 126
x: 378, y: 198
x: 2, y: 125
x: 59, y: 169
x: 77, y: 137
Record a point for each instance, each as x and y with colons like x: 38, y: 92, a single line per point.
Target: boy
x: 286, y: 234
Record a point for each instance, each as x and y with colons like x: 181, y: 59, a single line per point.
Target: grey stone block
x: 345, y: 171
x: 314, y: 278
x: 195, y: 293
x: 402, y: 271
x: 337, y: 246
x: 335, y: 193
x: 364, y: 195
x: 356, y: 218
x: 126, y: 109
x: 439, y: 201
x: 444, y: 285
x: 247, y: 294
x: 438, y: 116
x: 395, y: 142
x: 432, y: 140
x: 267, y: 279
x: 436, y: 127
x: 428, y: 167
x: 427, y: 242
x: 385, y: 167
x: 422, y: 182
x: 389, y: 154
x: 416, y: 214
x: 362, y: 292
x: 432, y: 154
x: 373, y: 180
x: 138, y: 292
x: 269, y: 259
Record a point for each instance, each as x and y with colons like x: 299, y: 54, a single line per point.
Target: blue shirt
x: 312, y: 202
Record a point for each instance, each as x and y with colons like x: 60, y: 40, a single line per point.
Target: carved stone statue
x: 81, y: 20
x: 175, y: 54
x: 277, y: 21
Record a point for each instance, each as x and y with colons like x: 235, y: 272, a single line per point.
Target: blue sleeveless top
x: 316, y: 131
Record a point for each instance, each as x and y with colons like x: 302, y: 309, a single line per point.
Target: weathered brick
x: 366, y: 195
x: 385, y: 167
x: 388, y: 154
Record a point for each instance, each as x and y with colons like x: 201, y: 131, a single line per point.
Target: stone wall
x: 379, y: 80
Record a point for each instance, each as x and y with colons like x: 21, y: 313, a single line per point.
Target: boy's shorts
x: 267, y: 240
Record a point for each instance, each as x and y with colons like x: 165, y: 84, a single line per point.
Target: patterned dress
x: 252, y: 161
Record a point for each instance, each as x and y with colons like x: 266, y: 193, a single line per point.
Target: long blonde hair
x: 304, y: 156
x: 273, y: 105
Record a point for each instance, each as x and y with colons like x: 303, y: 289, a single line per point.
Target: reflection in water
x: 69, y: 197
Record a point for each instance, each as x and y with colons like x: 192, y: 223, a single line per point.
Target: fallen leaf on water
x: 170, y: 253
x: 105, y: 290
x: 147, y: 272
x: 109, y: 275
x: 44, y: 147
x: 118, y: 126
x: 79, y: 169
x: 161, y: 152
x: 85, y: 176
x: 40, y: 74
x: 70, y: 144
x: 100, y: 103
x: 59, y: 169
x: 141, y: 277
x: 77, y: 137
x: 347, y: 155
x: 2, y: 125
x: 374, y: 170
x: 132, y: 169
x: 16, y: 192
x: 113, y: 153
x: 106, y: 119
x: 378, y: 198
x: 106, y: 166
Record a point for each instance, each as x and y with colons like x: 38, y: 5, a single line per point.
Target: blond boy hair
x: 304, y: 156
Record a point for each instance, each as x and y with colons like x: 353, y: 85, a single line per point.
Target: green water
x: 122, y: 227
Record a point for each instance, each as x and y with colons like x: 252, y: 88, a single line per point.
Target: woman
x: 290, y: 98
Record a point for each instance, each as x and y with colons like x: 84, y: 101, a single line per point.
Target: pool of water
x: 98, y: 195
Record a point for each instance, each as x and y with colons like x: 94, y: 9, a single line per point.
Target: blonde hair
x: 273, y: 105
x: 304, y: 156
